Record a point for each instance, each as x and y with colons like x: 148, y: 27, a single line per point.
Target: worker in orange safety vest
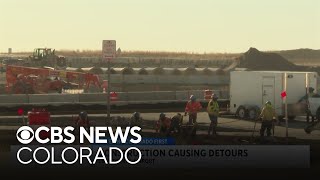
x: 192, y: 108
x: 82, y: 120
x: 163, y: 124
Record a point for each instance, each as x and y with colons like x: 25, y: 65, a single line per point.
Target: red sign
x: 283, y: 94
x: 20, y: 111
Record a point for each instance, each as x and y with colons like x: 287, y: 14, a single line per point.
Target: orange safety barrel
x: 113, y: 96
x: 207, y: 94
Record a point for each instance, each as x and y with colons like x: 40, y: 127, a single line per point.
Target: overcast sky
x: 161, y: 25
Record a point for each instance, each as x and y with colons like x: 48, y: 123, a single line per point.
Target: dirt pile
x: 254, y: 59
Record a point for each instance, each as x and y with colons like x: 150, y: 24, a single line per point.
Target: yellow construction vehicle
x: 46, y: 57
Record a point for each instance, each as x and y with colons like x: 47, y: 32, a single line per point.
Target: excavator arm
x: 19, y: 76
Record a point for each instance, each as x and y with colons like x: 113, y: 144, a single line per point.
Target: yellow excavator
x: 42, y: 57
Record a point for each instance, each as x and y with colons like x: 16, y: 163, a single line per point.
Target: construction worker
x: 192, y: 108
x: 82, y: 120
x: 176, y: 121
x: 306, y: 100
x: 136, y: 119
x: 267, y: 116
x: 213, y: 112
x: 164, y: 123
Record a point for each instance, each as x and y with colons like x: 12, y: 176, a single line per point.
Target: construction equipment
x: 46, y: 57
x: 28, y: 80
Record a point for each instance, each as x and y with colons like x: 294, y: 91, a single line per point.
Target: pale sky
x: 160, y: 25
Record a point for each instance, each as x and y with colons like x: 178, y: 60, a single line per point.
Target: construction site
x: 64, y: 85
x: 159, y: 89
x: 53, y: 90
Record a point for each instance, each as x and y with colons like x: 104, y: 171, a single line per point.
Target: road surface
x: 227, y: 125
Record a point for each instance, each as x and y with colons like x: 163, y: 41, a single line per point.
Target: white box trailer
x: 249, y: 90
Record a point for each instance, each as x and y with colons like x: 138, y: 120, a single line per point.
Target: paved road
x: 296, y: 128
x: 228, y: 125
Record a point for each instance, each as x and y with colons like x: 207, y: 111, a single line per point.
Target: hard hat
x: 213, y: 96
x: 193, y: 98
x: 83, y: 114
x: 162, y: 115
x: 268, y: 103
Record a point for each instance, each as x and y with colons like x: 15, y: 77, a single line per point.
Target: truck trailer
x: 249, y: 90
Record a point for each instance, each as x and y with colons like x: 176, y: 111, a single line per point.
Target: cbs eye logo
x: 25, y: 134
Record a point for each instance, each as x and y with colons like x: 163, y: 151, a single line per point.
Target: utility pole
x: 108, y: 92
x: 286, y: 106
x: 108, y: 53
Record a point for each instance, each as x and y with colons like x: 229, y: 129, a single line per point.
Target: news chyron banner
x: 169, y: 156
x: 117, y: 148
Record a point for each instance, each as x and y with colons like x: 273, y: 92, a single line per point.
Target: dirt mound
x: 253, y: 59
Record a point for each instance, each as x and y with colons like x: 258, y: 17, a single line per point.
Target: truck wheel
x: 241, y: 112
x: 318, y: 114
x: 253, y: 113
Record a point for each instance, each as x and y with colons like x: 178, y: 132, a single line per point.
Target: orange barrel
x: 207, y: 94
x: 113, y: 96
x: 37, y: 118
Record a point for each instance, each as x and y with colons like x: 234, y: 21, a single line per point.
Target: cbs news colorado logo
x: 81, y: 155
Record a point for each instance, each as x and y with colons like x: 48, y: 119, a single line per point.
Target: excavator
x: 31, y: 80
x: 46, y: 57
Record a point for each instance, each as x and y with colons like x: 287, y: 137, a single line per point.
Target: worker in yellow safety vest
x: 213, y: 112
x: 267, y: 115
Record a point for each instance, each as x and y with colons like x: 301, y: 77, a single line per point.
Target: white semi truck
x: 249, y: 90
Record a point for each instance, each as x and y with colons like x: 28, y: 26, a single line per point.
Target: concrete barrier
x: 182, y: 95
x: 219, y: 80
x: 164, y: 95
x: 131, y: 79
x: 168, y: 79
x: 96, y: 97
x: 140, y: 96
x: 197, y: 79
x: 53, y: 98
x: 171, y: 79
x: 122, y: 96
x: 14, y: 99
x: 101, y: 98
